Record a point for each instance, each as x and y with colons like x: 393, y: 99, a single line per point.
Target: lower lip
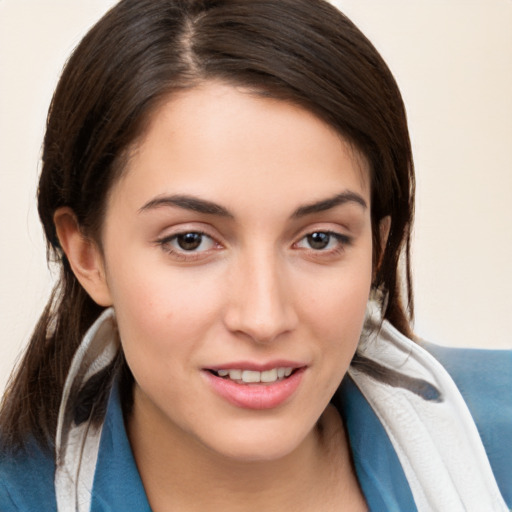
x: 255, y: 396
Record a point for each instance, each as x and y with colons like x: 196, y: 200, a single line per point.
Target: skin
x: 255, y: 289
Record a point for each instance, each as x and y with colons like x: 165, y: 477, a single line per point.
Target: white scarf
x: 436, y: 441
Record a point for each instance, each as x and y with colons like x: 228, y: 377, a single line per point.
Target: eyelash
x: 183, y: 254
x: 343, y: 241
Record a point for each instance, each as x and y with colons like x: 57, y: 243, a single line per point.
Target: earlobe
x: 84, y: 256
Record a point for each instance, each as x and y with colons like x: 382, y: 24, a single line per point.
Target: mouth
x: 242, y: 376
x: 249, y: 387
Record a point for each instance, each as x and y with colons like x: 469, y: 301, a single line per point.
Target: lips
x: 253, y: 386
x: 254, y: 376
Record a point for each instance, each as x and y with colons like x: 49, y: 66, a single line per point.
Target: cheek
x: 163, y: 315
x: 338, y: 306
x: 336, y: 312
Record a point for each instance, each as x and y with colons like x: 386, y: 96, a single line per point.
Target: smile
x: 246, y: 388
x: 254, y: 376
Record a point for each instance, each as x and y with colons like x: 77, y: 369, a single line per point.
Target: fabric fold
x: 78, y: 437
x: 433, y: 434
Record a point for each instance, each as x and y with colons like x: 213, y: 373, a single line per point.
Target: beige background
x: 453, y: 61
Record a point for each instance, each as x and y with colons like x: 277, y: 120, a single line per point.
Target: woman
x: 224, y: 193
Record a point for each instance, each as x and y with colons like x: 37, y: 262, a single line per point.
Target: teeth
x: 253, y: 376
x: 269, y: 375
x: 235, y: 374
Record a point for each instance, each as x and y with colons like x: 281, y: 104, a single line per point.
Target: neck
x: 180, y: 473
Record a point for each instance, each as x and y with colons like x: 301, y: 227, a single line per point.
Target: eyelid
x: 164, y: 243
x: 182, y: 228
x: 333, y: 228
x: 325, y: 255
x: 340, y: 237
x: 345, y: 239
x: 171, y: 238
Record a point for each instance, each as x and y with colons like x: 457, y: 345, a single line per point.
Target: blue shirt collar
x: 378, y: 468
x: 117, y: 483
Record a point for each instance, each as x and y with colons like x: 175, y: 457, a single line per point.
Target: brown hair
x: 303, y: 51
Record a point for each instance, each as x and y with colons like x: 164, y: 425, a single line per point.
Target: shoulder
x: 484, y: 378
x: 26, y: 481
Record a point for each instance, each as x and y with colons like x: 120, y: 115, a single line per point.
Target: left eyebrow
x: 326, y: 204
x: 187, y: 203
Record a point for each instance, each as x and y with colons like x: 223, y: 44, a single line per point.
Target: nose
x: 261, y: 304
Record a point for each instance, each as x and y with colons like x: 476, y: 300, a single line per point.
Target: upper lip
x: 255, y: 366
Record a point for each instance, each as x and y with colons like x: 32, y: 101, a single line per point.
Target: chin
x: 260, y: 443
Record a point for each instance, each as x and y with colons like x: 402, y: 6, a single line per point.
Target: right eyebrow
x: 188, y: 203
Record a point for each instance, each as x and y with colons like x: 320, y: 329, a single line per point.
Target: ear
x: 84, y: 256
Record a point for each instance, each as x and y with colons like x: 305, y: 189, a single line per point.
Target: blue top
x: 484, y: 378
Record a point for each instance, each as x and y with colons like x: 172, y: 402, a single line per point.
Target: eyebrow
x: 188, y: 203
x: 210, y: 208
x: 327, y: 204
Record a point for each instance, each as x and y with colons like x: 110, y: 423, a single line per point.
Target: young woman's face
x: 237, y: 250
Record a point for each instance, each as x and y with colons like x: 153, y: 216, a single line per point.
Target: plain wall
x: 453, y: 62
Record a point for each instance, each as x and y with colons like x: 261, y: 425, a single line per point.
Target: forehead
x: 228, y: 142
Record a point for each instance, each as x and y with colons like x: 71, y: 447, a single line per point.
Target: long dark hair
x: 302, y: 51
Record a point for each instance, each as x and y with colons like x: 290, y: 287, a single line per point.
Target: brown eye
x: 319, y: 240
x: 323, y: 241
x: 193, y: 242
x: 189, y: 241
